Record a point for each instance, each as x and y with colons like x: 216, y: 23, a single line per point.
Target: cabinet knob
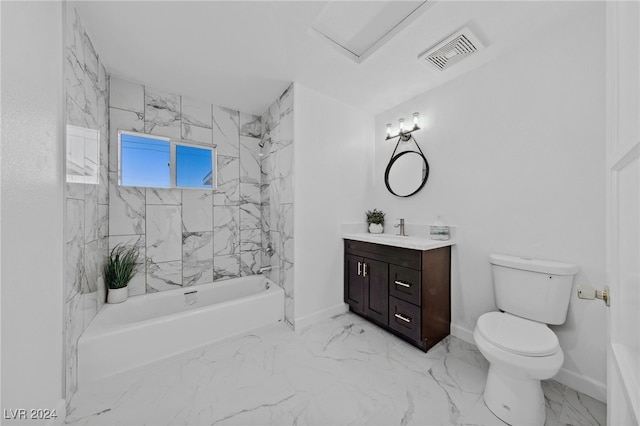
x: 402, y: 284
x: 364, y: 269
x: 359, y: 268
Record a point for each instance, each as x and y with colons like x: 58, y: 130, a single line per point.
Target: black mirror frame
x: 394, y: 159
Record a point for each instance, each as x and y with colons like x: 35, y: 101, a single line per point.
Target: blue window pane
x: 145, y: 162
x: 194, y: 167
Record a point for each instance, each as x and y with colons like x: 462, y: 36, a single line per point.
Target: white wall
x: 517, y: 158
x: 32, y: 206
x: 333, y: 156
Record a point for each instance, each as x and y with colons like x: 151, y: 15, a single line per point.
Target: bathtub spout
x: 191, y: 297
x: 264, y: 269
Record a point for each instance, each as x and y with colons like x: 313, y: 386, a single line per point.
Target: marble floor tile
x: 341, y: 371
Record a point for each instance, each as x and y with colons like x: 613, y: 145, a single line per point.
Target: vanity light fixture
x: 403, y: 134
x: 408, y: 170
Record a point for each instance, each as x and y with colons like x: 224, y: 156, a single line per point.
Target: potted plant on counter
x: 375, y: 219
x: 120, y: 268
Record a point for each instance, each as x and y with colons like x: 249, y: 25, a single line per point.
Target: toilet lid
x: 518, y: 335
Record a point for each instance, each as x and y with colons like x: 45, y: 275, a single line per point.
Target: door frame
x: 623, y: 406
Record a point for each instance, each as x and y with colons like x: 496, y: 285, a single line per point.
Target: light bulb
x: 389, y: 130
x: 415, y: 119
x: 401, y: 125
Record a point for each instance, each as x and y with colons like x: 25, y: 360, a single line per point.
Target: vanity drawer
x: 404, y: 318
x: 404, y: 283
x: 394, y: 255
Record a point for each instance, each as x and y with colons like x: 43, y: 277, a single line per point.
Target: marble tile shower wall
x: 277, y: 195
x: 86, y: 219
x: 187, y: 237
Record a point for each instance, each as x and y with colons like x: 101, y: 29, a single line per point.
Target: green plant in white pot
x: 375, y: 219
x: 121, y: 266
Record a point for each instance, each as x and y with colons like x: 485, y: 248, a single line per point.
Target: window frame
x: 172, y: 160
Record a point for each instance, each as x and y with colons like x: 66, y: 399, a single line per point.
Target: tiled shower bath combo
x: 185, y: 237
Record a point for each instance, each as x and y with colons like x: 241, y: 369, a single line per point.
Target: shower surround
x: 277, y: 195
x: 187, y: 236
x: 86, y: 204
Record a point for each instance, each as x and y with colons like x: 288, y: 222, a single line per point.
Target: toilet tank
x: 531, y: 288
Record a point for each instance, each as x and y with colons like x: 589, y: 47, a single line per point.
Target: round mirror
x: 406, y: 173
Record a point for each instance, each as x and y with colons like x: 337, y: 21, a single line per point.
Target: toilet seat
x: 518, y: 335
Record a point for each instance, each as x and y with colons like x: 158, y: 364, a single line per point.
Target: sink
x: 411, y: 242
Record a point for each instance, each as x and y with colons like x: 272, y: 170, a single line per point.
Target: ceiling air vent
x: 452, y: 49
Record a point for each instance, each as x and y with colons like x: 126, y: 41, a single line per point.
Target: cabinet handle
x: 402, y: 317
x: 400, y: 283
x: 364, y: 269
x: 359, y: 268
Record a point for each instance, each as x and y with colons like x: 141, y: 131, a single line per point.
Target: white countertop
x: 416, y: 243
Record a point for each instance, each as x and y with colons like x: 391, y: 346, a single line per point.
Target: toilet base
x: 515, y: 400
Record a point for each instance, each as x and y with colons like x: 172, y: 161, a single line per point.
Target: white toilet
x: 519, y: 346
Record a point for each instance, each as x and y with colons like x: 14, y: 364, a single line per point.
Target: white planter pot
x: 376, y: 228
x: 117, y: 295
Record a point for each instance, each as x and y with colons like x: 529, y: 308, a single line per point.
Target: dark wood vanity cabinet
x: 403, y: 290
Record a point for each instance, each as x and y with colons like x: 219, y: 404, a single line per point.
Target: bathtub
x: 148, y: 328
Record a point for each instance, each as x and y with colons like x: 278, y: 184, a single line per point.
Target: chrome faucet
x: 401, y: 226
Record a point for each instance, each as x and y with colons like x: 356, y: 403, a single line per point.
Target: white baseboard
x: 579, y: 382
x: 303, y: 322
x: 462, y: 333
x: 61, y: 413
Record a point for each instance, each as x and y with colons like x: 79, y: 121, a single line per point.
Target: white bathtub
x: 148, y: 328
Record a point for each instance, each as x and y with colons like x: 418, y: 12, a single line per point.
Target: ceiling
x: 243, y: 54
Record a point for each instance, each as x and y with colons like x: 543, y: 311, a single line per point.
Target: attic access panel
x: 357, y: 29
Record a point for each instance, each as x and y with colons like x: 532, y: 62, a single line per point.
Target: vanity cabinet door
x: 354, y: 284
x: 376, y: 290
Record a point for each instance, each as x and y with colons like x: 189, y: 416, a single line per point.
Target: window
x: 145, y: 161
x: 158, y: 162
x: 194, y: 167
